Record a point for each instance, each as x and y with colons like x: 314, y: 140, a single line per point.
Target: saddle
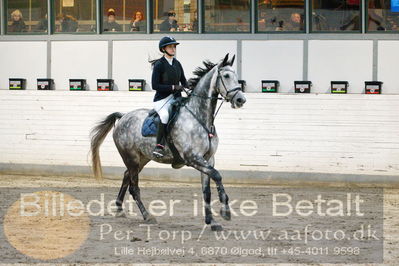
x: 150, y: 127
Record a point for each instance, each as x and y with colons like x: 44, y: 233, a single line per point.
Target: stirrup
x: 158, y: 151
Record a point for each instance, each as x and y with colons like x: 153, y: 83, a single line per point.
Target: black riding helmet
x: 166, y: 41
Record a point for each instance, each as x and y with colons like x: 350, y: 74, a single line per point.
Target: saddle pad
x: 150, y: 126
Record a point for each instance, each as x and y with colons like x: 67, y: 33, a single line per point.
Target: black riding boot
x: 160, y: 147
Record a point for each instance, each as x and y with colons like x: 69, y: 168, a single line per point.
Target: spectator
x: 110, y: 24
x: 17, y: 22
x: 241, y: 26
x: 68, y: 23
x: 169, y: 24
x: 375, y: 21
x: 295, y: 23
x: 319, y: 22
x: 195, y: 22
x: 269, y: 21
x: 137, y: 23
x: 42, y: 25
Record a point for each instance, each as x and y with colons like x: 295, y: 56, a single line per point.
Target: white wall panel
x: 78, y: 60
x: 22, y: 60
x: 388, y: 58
x: 340, y: 60
x: 130, y: 61
x: 272, y: 60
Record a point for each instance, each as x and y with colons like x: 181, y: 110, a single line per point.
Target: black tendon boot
x: 160, y: 147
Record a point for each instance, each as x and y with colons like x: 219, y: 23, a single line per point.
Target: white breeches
x: 162, y: 108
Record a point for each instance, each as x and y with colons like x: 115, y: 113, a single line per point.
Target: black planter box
x: 17, y: 84
x: 373, y: 87
x: 302, y: 86
x: 45, y: 84
x: 270, y: 85
x: 77, y: 84
x: 243, y: 84
x: 339, y: 87
x: 136, y: 84
x: 105, y: 84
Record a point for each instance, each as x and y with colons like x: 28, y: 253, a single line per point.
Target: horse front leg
x: 207, y: 168
x: 206, y: 190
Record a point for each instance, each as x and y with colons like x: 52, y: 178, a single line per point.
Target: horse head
x: 225, y: 82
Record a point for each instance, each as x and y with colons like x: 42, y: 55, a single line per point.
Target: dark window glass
x: 336, y: 15
x: 383, y: 15
x: 175, y: 16
x: 283, y: 15
x: 26, y: 16
x: 124, y: 16
x: 227, y: 16
x: 75, y: 16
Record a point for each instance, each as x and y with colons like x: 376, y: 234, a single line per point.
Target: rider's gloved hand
x: 178, y: 87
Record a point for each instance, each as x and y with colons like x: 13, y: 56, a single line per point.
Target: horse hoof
x: 177, y: 165
x: 216, y: 227
x: 225, y: 213
x: 120, y: 213
x: 151, y: 220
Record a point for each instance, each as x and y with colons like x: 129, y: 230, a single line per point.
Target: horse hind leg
x: 128, y: 159
x: 134, y: 163
x: 121, y: 194
x: 134, y: 190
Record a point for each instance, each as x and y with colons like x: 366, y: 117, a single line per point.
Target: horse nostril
x: 241, y: 100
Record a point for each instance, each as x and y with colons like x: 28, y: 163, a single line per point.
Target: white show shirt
x: 169, y: 60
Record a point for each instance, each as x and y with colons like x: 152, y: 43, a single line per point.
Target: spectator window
x: 283, y: 15
x: 220, y: 16
x: 227, y: 16
x: 336, y: 16
x: 124, y: 16
x: 75, y: 16
x: 175, y: 16
x: 26, y: 16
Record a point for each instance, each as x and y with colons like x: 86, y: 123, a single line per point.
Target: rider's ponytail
x: 153, y: 61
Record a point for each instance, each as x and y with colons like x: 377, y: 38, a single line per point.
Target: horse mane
x: 199, y: 72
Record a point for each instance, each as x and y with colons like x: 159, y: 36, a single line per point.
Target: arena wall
x: 307, y: 133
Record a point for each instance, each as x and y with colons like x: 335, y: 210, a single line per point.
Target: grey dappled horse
x: 192, y: 136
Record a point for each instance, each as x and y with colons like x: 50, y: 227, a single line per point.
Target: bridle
x: 236, y: 89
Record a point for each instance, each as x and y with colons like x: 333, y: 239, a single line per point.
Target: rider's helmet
x: 166, y: 41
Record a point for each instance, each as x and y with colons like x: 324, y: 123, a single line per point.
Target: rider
x: 166, y: 75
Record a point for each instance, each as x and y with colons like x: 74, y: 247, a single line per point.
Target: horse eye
x: 226, y: 76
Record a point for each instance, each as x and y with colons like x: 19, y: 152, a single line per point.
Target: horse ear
x: 232, y: 60
x: 225, y: 59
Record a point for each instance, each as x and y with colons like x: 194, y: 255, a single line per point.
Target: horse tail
x: 98, y: 135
